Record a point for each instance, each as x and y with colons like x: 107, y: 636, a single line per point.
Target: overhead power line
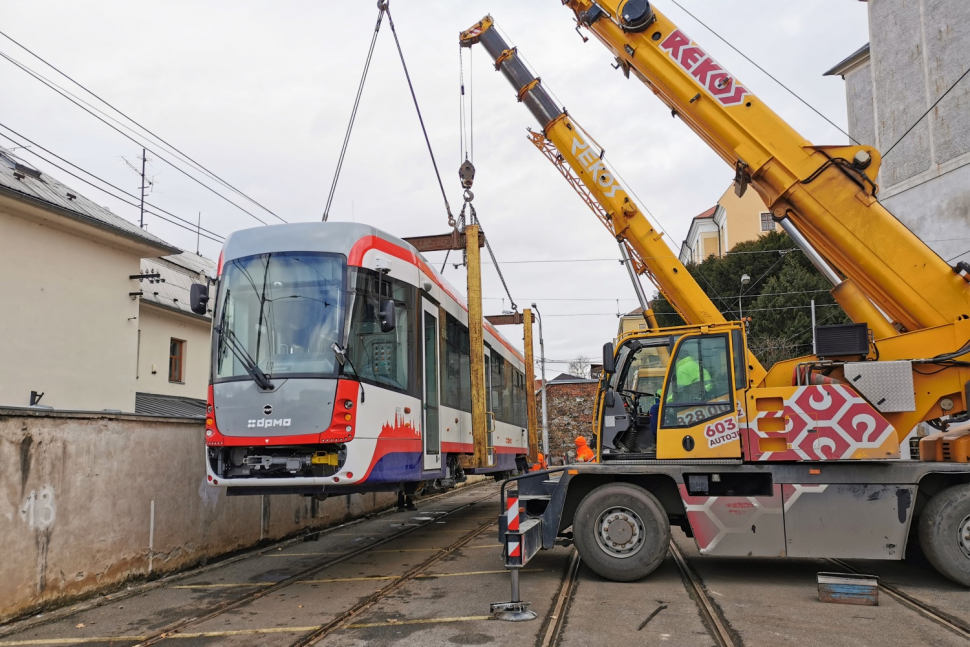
x: 923, y: 116
x: 184, y: 156
x: 194, y: 229
x: 765, y: 72
x: 93, y: 112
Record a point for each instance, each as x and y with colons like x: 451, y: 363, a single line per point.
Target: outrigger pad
x: 512, y: 611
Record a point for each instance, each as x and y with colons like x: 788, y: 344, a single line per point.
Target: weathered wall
x: 917, y: 52
x: 157, y: 327
x: 77, y: 492
x: 570, y: 411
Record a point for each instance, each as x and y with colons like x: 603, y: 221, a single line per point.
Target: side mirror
x: 609, y: 364
x: 388, y: 315
x: 199, y: 298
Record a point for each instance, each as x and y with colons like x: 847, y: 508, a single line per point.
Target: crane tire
x: 944, y: 533
x: 621, y: 531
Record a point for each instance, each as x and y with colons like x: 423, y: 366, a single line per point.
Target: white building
x: 173, y: 342
x: 74, y: 308
x: 917, y: 51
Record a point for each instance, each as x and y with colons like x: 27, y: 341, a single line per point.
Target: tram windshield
x: 283, y: 311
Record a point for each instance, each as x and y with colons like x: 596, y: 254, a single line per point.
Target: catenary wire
x: 103, y: 190
x: 67, y: 95
x: 195, y: 227
x: 184, y: 156
x: 382, y: 7
x: 765, y: 72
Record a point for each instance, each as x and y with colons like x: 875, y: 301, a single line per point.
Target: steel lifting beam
x: 442, y: 242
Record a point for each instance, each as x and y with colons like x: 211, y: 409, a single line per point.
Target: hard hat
x: 580, y: 440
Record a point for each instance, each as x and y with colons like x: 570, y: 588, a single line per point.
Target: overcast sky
x: 260, y: 93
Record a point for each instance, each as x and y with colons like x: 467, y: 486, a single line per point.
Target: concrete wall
x: 157, y: 327
x: 65, y: 330
x: 77, y: 493
x: 918, y: 49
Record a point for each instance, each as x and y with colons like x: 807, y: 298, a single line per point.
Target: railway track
x: 63, y: 613
x: 181, y: 625
x: 928, y: 611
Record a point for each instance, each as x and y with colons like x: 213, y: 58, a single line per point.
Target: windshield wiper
x: 228, y: 337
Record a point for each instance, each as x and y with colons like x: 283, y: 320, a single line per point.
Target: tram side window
x: 382, y: 357
x: 519, y: 413
x: 508, y: 394
x: 497, y: 386
x: 455, y: 366
x: 699, y: 386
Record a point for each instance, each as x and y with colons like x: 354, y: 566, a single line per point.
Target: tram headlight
x: 208, y: 433
x: 348, y: 404
x: 348, y: 428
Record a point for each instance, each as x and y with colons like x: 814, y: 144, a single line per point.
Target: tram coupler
x: 522, y: 540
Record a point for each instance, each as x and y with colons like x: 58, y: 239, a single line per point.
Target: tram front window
x: 285, y: 310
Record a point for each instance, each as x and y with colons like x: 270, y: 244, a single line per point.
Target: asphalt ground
x: 366, y: 583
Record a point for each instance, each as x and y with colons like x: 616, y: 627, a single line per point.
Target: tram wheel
x: 944, y: 533
x: 621, y: 531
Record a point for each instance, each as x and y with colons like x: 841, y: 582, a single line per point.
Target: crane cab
x: 676, y: 393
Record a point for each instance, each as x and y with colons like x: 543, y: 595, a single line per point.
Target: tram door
x: 432, y: 423
x: 489, y: 409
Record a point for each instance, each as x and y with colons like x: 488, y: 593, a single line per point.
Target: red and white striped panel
x: 512, y: 513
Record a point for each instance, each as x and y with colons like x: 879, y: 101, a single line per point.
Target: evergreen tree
x: 777, y: 299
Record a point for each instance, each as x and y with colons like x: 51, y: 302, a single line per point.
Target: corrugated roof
x: 173, y: 292
x: 152, y: 404
x: 18, y: 176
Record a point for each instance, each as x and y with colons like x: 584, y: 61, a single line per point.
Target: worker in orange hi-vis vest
x: 539, y: 464
x: 583, y: 453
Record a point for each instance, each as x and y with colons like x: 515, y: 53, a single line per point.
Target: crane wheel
x: 944, y: 533
x: 621, y: 531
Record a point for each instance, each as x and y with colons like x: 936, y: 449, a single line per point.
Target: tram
x: 340, y: 363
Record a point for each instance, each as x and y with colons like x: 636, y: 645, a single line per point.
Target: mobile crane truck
x: 800, y: 460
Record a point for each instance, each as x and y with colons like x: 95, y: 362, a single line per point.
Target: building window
x: 767, y: 224
x: 176, y: 360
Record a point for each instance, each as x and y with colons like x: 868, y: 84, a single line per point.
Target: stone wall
x: 90, y: 500
x: 570, y: 410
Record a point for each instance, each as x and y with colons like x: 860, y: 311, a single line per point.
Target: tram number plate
x: 722, y: 432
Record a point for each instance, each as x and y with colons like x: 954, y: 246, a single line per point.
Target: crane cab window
x: 699, y: 382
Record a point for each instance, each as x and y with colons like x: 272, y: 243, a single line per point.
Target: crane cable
x: 382, y: 8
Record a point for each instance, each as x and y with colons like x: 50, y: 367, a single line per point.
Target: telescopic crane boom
x: 828, y: 193
x: 580, y: 160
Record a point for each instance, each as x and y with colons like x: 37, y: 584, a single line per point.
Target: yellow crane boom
x: 567, y: 145
x: 828, y: 193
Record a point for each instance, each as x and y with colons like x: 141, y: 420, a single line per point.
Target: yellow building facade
x: 731, y: 221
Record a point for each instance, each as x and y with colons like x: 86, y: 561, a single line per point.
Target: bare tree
x: 580, y: 367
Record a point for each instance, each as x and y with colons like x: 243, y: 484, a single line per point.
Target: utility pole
x: 198, y: 235
x: 141, y: 218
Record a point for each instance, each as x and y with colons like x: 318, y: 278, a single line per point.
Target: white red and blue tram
x: 340, y: 363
